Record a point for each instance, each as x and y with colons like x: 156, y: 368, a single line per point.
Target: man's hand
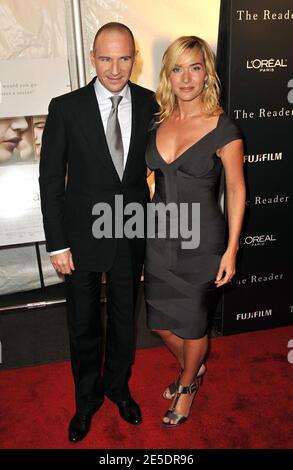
x: 63, y: 262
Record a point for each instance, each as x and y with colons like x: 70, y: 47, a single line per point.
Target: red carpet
x: 245, y: 401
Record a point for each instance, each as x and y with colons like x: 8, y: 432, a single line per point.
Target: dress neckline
x: 189, y: 148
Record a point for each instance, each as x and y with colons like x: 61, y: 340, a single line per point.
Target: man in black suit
x: 99, y: 142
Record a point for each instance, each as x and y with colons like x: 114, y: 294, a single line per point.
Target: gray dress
x: 180, y: 287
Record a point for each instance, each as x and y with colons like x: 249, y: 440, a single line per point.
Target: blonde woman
x: 191, y: 143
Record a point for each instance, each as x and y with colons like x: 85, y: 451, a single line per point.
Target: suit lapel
x: 134, y: 126
x: 92, y: 125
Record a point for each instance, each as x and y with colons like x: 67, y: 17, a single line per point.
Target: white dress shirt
x: 124, y: 115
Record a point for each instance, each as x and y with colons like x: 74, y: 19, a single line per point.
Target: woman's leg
x: 194, y: 351
x: 174, y: 344
x: 177, y: 346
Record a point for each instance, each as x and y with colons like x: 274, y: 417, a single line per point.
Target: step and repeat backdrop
x: 256, y: 68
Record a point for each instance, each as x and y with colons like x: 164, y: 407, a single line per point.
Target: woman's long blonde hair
x: 211, y: 93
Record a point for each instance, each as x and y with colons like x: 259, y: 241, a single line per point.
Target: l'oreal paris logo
x: 264, y: 65
x: 257, y: 240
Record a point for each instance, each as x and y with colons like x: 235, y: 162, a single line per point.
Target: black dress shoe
x: 80, y: 424
x: 129, y: 411
x: 79, y: 427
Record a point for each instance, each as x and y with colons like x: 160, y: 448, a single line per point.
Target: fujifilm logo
x: 253, y: 315
x: 263, y: 157
x: 266, y: 65
x: 257, y: 240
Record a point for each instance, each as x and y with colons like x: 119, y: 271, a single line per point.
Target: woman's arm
x: 232, y: 159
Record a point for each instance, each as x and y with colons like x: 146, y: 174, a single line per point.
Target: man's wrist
x: 57, y: 252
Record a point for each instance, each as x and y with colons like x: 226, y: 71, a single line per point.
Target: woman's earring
x: 206, y: 84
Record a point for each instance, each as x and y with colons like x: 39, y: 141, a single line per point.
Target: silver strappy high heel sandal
x: 171, y: 413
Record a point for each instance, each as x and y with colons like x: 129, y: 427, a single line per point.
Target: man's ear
x: 92, y: 58
x: 136, y: 52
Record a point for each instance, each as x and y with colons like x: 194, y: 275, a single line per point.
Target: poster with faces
x: 20, y: 147
x: 26, y: 88
x: 21, y: 139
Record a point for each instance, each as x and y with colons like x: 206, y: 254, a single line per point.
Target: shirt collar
x: 103, y: 94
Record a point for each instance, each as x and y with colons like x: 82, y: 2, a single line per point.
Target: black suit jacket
x: 74, y: 142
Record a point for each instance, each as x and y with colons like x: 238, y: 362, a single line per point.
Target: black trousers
x: 85, y: 332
